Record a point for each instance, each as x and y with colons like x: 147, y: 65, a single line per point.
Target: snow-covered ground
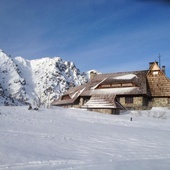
x: 61, y: 138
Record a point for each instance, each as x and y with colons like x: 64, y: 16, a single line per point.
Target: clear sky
x: 105, y: 35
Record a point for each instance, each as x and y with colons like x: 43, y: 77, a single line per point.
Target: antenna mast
x: 159, y: 60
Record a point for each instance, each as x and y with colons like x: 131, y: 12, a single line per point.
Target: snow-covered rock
x: 36, y: 81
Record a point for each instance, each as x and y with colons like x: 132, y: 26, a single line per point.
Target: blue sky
x: 106, y: 35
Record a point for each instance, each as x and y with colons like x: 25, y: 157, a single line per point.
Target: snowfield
x: 59, y: 138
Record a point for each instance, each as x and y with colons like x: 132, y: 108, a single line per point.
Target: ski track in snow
x: 73, y: 139
x: 33, y: 164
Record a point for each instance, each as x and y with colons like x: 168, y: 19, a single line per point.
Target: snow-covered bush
x: 155, y: 112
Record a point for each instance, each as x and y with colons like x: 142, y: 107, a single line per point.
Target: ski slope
x: 59, y: 138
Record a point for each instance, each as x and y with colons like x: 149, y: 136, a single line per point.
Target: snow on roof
x: 98, y: 102
x: 122, y: 90
x: 93, y: 71
x: 99, y: 106
x: 127, y: 77
x: 92, y: 88
x: 77, y: 93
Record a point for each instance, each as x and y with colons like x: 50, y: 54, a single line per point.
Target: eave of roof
x: 74, y: 96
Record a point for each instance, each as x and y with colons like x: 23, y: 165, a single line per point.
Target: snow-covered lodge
x: 109, y: 93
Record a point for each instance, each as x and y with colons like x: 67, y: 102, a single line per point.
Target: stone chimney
x: 92, y: 74
x: 163, y: 69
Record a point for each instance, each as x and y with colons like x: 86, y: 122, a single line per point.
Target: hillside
x: 62, y: 139
x: 36, y: 81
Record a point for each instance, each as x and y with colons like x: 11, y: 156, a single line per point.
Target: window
x: 128, y: 100
x: 155, y: 73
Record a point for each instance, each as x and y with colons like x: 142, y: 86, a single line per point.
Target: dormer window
x: 155, y: 73
x: 116, y: 85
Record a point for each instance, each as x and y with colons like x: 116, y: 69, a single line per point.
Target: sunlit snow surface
x: 127, y: 77
x: 75, y: 139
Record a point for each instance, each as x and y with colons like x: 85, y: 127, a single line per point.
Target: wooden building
x: 109, y: 93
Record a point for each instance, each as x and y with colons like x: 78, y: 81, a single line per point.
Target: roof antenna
x: 159, y: 60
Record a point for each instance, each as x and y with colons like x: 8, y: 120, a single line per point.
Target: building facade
x: 110, y: 93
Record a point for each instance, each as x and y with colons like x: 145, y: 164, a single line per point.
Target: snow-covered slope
x: 11, y: 83
x: 38, y: 81
x: 63, y: 139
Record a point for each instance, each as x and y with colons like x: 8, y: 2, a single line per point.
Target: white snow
x: 77, y: 93
x: 92, y: 71
x: 61, y: 138
x: 126, y: 77
x: 29, y: 81
x: 120, y: 90
x: 92, y: 88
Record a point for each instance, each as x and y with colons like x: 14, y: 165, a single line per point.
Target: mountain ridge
x: 37, y: 81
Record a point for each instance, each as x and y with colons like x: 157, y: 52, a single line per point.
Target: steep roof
x: 136, y: 78
x: 159, y: 84
x: 70, y: 96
